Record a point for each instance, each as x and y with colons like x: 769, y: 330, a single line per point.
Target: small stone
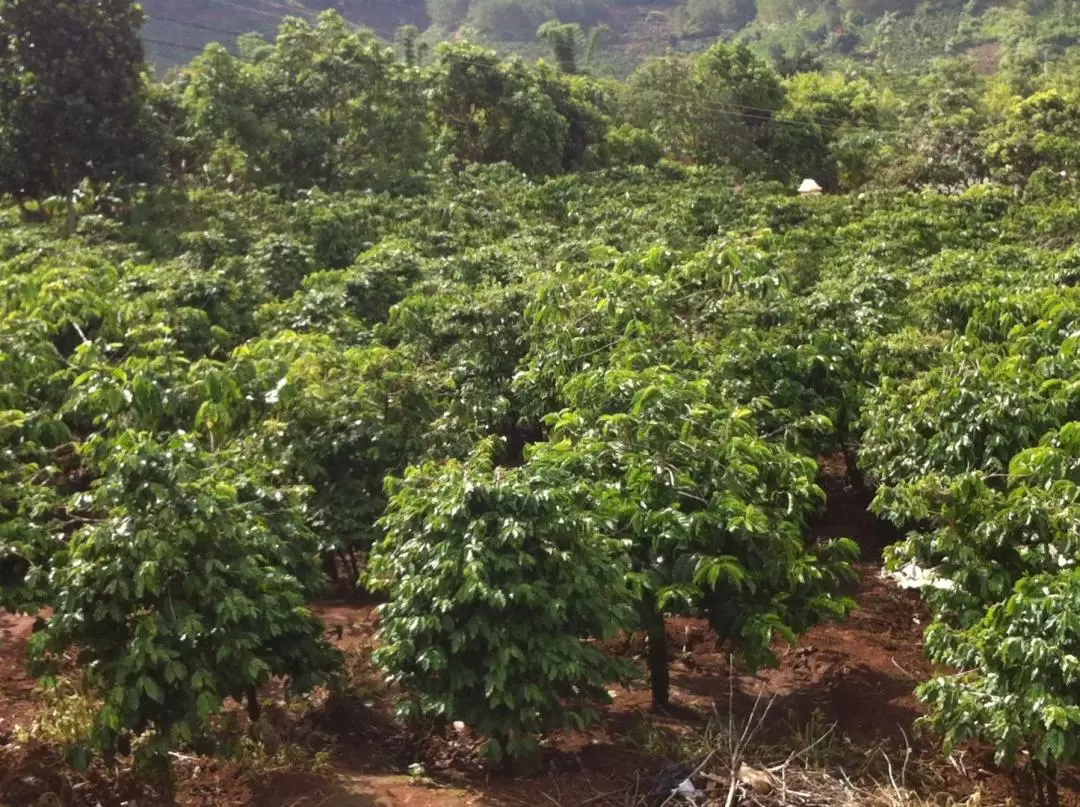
x: 759, y: 781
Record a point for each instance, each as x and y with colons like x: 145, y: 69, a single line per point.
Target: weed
x: 652, y: 739
x: 66, y: 718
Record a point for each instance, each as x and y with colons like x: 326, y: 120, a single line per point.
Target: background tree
x: 802, y: 60
x: 447, y: 14
x: 564, y: 40
x: 717, y: 108
x: 941, y: 145
x: 327, y: 106
x: 1042, y: 131
x: 407, y: 37
x: 71, y: 97
x: 736, y: 96
x: 831, y: 130
x: 491, y: 111
x: 596, y: 35
x: 659, y: 98
x: 777, y: 12
x: 715, y: 16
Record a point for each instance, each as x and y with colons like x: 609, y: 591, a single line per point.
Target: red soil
x: 858, y: 675
x: 16, y: 687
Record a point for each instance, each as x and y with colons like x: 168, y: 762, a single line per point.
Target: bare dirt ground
x: 856, y: 677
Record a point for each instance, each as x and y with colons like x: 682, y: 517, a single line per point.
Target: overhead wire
x: 178, y: 45
x: 764, y: 115
x: 279, y: 10
x: 277, y: 16
x: 287, y: 9
x: 735, y: 112
x: 730, y: 110
x: 195, y: 25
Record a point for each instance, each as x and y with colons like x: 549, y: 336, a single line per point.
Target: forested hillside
x: 413, y: 424
x: 624, y: 33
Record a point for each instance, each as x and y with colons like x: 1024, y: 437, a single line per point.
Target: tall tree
x: 736, y: 96
x: 487, y: 110
x: 563, y: 39
x: 408, y: 38
x: 71, y: 96
x: 714, y: 108
x: 326, y: 106
x: 716, y: 16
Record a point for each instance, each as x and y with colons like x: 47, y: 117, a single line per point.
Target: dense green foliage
x: 71, y: 113
x: 496, y: 576
x: 465, y: 329
x: 214, y: 386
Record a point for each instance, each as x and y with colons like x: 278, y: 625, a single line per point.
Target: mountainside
x: 177, y: 29
x: 903, y: 34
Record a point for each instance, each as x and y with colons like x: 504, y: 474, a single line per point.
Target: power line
x: 289, y: 9
x: 264, y: 12
x: 201, y: 27
x: 283, y: 11
x: 196, y: 25
x: 191, y: 48
x: 730, y: 110
x: 735, y: 112
x: 286, y: 8
x: 763, y: 115
x: 178, y: 45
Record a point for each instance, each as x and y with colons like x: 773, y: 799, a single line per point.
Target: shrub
x: 628, y: 145
x: 497, y: 579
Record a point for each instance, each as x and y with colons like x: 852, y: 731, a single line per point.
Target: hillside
x: 895, y: 34
x: 177, y: 29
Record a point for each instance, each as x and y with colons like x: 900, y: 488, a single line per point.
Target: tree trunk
x: 1053, y: 798
x: 1044, y: 779
x: 253, y: 708
x: 352, y: 568
x: 855, y: 476
x: 72, y: 215
x: 160, y: 774
x: 332, y: 564
x: 169, y: 785
x: 658, y: 662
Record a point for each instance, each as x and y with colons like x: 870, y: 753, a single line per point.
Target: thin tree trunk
x: 254, y: 709
x: 1053, y: 798
x: 352, y: 567
x: 855, y: 476
x: 167, y: 780
x: 659, y: 679
x: 1039, y: 781
x: 72, y: 215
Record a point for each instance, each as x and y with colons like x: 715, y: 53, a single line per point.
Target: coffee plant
x: 536, y: 356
